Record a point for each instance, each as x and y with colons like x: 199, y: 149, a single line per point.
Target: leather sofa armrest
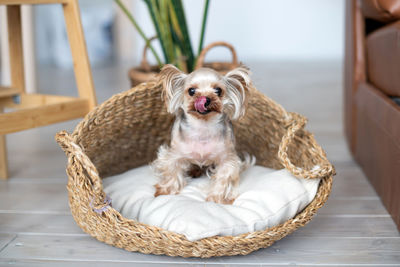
x: 381, y: 10
x: 355, y: 67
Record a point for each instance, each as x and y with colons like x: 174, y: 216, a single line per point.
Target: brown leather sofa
x: 372, y: 88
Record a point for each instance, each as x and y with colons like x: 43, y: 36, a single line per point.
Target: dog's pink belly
x: 202, y: 150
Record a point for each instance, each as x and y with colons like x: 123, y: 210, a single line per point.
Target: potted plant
x: 169, y: 21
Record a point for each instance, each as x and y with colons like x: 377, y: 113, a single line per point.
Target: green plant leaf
x: 141, y: 33
x: 203, y: 26
x: 187, y: 46
x: 165, y: 29
x: 151, y: 7
x: 177, y: 38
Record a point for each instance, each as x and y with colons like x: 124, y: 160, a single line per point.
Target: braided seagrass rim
x: 87, y: 198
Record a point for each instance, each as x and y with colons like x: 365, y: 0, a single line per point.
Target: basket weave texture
x: 125, y: 132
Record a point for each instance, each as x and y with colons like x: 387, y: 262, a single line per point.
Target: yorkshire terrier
x: 204, y: 103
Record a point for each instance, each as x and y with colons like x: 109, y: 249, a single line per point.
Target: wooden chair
x: 34, y: 110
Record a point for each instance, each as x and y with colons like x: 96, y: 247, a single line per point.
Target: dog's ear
x: 173, y: 82
x: 238, y: 84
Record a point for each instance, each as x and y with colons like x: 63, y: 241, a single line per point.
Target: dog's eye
x: 218, y: 91
x: 192, y: 91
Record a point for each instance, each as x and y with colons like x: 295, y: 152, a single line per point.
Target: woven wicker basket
x: 146, y: 72
x: 221, y: 67
x: 126, y: 131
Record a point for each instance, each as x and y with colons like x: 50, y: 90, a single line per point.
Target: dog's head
x: 205, y: 93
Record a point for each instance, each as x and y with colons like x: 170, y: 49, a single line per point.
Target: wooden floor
x: 36, y: 228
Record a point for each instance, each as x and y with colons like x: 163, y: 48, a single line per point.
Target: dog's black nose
x: 208, y: 101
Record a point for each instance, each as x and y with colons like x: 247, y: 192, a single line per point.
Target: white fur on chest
x: 202, y: 141
x: 201, y: 149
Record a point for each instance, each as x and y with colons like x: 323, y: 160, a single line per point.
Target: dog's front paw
x: 165, y: 190
x: 220, y: 199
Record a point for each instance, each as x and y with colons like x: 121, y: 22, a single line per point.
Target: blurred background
x: 260, y: 30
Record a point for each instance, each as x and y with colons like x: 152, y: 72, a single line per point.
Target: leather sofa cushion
x: 383, y: 57
x: 396, y: 100
x: 381, y: 10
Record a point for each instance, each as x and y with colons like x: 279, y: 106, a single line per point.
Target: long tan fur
x: 202, y: 140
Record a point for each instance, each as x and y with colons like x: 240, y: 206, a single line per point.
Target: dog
x: 204, y: 103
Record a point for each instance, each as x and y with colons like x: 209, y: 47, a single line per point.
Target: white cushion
x: 266, y: 198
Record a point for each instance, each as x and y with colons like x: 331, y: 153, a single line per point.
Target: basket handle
x: 144, y: 64
x: 76, y: 155
x: 200, y: 59
x: 324, y: 171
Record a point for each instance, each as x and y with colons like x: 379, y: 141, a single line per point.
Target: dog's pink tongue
x: 199, y: 104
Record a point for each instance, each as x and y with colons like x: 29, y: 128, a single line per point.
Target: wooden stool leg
x: 17, y: 71
x: 80, y: 58
x: 15, y: 46
x: 3, y: 156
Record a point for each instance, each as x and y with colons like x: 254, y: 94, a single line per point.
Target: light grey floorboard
x: 351, y: 183
x: 335, y: 226
x: 37, y: 224
x: 31, y: 197
x: 48, y: 263
x: 5, y: 239
x: 307, y: 251
x: 35, y: 154
x: 40, y: 263
x: 353, y: 207
x: 74, y: 248
x: 321, y: 225
x: 292, y: 249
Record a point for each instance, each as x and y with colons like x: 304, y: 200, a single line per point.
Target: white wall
x: 262, y: 29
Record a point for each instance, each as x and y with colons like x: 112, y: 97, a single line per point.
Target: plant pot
x: 146, y: 73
